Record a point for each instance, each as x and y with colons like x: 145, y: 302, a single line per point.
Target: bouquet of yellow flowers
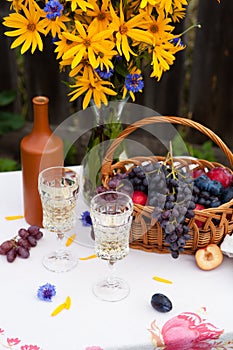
x: 104, y: 43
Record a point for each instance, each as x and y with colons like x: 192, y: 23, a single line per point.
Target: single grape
x: 32, y: 241
x: 23, y: 252
x: 39, y: 235
x: 23, y: 233
x: 33, y: 230
x: 11, y: 255
x: 7, y: 246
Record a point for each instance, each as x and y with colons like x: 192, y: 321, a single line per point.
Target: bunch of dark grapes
x: 170, y: 193
x: 21, y: 244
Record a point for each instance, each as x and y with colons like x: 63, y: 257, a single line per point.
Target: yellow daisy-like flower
x: 91, y: 42
x: 178, y: 14
x: 92, y: 88
x: 28, y: 28
x: 63, y: 45
x: 163, y: 57
x: 104, y: 59
x: 80, y: 3
x: 128, y: 31
x: 84, y: 68
x: 159, y: 28
x: 55, y: 26
x: 101, y: 15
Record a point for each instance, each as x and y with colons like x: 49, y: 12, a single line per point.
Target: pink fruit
x: 222, y: 175
x: 196, y: 173
x: 139, y: 197
x: 198, y: 222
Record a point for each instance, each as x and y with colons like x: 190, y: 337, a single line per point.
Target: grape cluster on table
x: 21, y: 244
x: 174, y: 194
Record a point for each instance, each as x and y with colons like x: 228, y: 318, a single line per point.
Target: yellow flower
x: 163, y: 57
x: 84, y: 68
x: 159, y: 27
x: 127, y: 31
x: 55, y: 26
x: 92, y: 88
x: 178, y: 14
x: 63, y: 45
x: 91, y: 42
x: 104, y: 58
x: 80, y: 3
x: 101, y: 15
x: 28, y: 28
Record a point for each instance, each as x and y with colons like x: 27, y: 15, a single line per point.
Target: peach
x: 209, y: 258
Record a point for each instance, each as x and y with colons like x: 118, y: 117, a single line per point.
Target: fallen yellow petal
x: 58, y: 309
x: 14, y: 217
x: 70, y: 239
x: 89, y: 257
x: 68, y: 303
x: 159, y: 279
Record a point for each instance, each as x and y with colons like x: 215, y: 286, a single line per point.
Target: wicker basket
x: 146, y: 234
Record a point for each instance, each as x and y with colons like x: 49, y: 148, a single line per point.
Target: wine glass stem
x: 60, y: 239
x: 111, y: 279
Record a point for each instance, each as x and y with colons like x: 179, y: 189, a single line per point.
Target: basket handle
x: 107, y: 162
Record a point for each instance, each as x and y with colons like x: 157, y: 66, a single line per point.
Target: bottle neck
x: 40, y: 112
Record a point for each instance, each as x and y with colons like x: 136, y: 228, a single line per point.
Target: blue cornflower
x: 53, y: 9
x: 46, y: 292
x: 177, y: 41
x: 104, y: 73
x: 134, y: 82
x: 86, y: 218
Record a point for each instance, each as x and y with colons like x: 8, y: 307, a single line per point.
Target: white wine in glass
x: 111, y: 214
x: 58, y: 188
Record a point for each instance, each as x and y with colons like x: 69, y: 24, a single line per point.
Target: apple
x: 209, y: 258
x: 139, y: 197
x: 199, y: 223
x: 196, y: 173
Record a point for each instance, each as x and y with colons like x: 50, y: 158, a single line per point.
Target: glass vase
x: 108, y: 120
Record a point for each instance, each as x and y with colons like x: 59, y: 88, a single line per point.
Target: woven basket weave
x: 146, y: 233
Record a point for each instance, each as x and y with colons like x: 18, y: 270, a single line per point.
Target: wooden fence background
x: 198, y: 86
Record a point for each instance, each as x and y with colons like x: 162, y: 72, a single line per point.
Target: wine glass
x: 58, y: 188
x: 111, y: 214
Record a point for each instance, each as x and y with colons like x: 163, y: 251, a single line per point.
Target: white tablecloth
x: 202, y: 301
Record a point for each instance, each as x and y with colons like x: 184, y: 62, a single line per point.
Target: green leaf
x: 8, y: 165
x: 7, y: 97
x: 10, y: 121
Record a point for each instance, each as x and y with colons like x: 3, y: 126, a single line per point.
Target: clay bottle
x: 39, y: 150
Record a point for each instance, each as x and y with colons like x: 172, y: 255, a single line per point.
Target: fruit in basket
x: 227, y: 194
x: 196, y: 173
x: 139, y: 197
x: 161, y: 302
x: 221, y: 174
x: 209, y: 258
x: 199, y: 223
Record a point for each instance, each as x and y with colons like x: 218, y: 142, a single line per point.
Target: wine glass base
x: 60, y: 261
x: 115, y: 291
